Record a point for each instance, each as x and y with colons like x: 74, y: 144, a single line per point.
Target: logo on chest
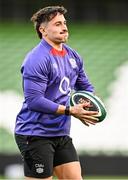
x: 64, y: 86
x: 73, y: 63
x: 55, y: 66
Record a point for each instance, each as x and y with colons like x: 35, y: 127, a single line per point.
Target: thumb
x: 86, y: 104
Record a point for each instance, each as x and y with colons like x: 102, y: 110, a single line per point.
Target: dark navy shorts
x: 41, y: 154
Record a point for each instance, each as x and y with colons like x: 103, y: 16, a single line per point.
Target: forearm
x: 42, y: 104
x: 61, y: 109
x: 67, y: 110
x: 47, y: 106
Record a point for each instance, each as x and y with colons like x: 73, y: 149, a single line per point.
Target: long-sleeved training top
x: 49, y: 76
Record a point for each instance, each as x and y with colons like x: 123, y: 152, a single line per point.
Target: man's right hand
x: 87, y: 117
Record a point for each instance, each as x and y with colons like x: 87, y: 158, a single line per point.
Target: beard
x: 57, y: 39
x: 62, y: 39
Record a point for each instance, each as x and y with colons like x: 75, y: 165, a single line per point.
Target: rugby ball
x: 95, y: 103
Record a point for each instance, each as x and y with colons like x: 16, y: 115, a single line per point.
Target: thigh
x: 70, y: 170
x: 65, y: 151
x: 66, y: 161
x: 37, y: 154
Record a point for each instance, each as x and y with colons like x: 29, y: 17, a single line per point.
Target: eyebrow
x: 60, y: 21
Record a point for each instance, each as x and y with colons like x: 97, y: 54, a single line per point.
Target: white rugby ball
x: 95, y: 103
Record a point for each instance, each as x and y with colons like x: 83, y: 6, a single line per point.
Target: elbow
x: 31, y: 104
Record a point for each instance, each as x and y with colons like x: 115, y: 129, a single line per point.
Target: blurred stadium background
x: 99, y: 32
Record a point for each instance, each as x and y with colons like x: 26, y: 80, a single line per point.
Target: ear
x: 42, y: 30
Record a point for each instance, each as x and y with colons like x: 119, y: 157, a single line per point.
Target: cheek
x: 53, y: 30
x: 51, y: 33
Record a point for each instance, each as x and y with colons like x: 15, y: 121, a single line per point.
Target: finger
x: 89, y: 119
x: 91, y: 122
x: 85, y: 104
x: 92, y: 118
x: 87, y: 122
x: 84, y: 122
x: 91, y: 112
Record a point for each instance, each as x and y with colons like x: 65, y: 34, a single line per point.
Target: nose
x: 65, y: 27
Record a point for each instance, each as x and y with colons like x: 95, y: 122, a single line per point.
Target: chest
x: 64, y: 67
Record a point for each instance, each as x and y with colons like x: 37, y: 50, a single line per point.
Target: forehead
x: 58, y: 18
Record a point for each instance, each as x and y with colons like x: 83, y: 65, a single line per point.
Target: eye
x: 58, y: 24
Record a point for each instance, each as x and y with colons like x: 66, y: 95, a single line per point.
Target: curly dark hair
x: 45, y: 15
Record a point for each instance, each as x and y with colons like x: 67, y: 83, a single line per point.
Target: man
x: 50, y: 71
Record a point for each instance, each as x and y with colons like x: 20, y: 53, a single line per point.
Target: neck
x: 57, y: 46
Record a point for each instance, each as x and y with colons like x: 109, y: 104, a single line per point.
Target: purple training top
x: 49, y: 76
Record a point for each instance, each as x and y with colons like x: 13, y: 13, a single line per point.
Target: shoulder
x: 37, y: 59
x: 37, y: 55
x: 74, y: 54
x: 72, y: 51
